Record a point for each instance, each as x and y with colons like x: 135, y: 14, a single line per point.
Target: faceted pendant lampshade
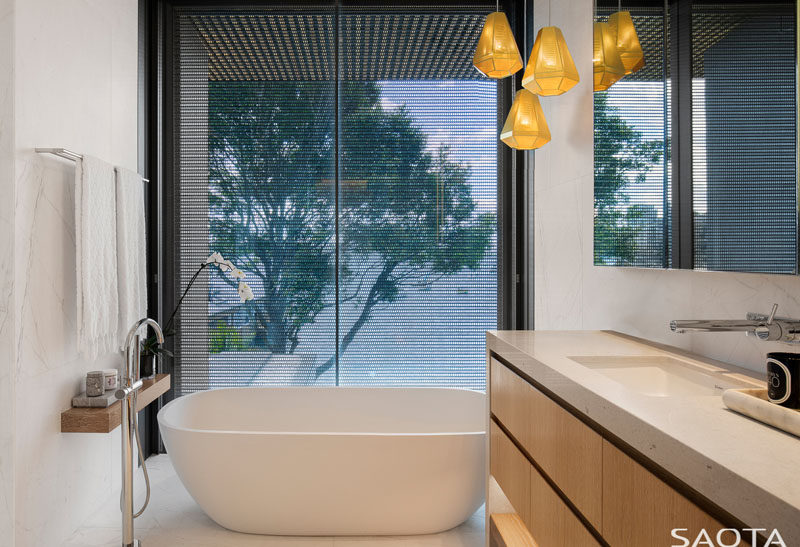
x: 550, y: 70
x: 497, y: 54
x: 608, y: 66
x: 628, y: 46
x: 525, y: 127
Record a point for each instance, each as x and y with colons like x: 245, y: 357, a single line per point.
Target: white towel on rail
x: 96, y: 260
x: 131, y: 250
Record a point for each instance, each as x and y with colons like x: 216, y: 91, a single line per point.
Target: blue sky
x: 460, y: 114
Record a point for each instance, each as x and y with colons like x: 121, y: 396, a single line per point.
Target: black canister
x: 783, y: 379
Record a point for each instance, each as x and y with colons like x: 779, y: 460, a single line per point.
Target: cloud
x: 389, y: 105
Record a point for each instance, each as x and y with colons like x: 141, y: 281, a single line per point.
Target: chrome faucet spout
x: 765, y: 327
x: 132, y: 347
x: 713, y: 325
x: 138, y: 325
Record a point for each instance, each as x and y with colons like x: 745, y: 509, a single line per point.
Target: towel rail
x: 66, y: 154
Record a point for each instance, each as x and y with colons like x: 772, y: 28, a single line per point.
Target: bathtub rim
x: 162, y: 421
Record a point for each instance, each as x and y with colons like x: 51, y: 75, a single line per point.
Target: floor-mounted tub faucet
x: 127, y: 394
x: 765, y: 327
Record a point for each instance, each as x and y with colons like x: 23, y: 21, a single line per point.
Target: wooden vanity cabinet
x: 571, y: 486
x: 512, y: 471
x: 552, y: 522
x: 565, y: 449
x: 548, y: 519
x: 641, y: 509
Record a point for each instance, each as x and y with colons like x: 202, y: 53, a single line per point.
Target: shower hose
x: 141, y: 459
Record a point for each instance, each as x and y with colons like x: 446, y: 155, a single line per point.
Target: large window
x: 347, y: 160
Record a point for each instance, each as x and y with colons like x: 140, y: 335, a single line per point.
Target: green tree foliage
x: 406, y: 214
x: 621, y: 157
x: 223, y: 337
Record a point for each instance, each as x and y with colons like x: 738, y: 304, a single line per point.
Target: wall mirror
x: 695, y: 154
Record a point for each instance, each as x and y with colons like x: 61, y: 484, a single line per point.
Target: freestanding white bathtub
x: 330, y: 461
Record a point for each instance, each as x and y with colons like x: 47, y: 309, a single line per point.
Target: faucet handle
x: 770, y: 330
x: 772, y: 314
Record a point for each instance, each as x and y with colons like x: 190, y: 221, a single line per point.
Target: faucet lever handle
x: 772, y: 314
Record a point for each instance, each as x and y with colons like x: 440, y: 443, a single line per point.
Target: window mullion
x: 681, y: 134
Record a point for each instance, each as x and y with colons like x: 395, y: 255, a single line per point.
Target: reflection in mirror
x: 631, y: 160
x: 743, y: 136
x: 695, y: 154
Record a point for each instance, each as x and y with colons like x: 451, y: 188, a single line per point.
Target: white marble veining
x: 86, y: 100
x: 173, y: 519
x: 746, y: 468
x: 755, y: 404
x: 7, y: 346
x: 572, y: 293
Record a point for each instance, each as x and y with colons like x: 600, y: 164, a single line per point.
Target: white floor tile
x: 94, y: 537
x: 173, y: 519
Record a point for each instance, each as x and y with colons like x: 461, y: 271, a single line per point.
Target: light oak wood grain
x: 511, y: 470
x: 569, y: 452
x: 508, y: 530
x: 641, y: 509
x: 552, y: 523
x: 566, y: 449
x: 509, y: 399
x: 105, y: 420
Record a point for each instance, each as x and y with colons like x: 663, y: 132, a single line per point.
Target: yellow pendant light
x: 628, y: 46
x: 550, y: 70
x: 497, y: 54
x: 525, y: 127
x: 608, y: 67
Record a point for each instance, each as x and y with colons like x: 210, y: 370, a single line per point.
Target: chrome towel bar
x: 66, y: 154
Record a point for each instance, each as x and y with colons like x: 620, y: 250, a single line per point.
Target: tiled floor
x: 173, y: 519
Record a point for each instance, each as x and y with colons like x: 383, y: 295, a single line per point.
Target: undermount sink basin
x: 660, y: 376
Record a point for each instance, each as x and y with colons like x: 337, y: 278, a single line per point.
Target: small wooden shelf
x: 508, y: 530
x: 105, y: 420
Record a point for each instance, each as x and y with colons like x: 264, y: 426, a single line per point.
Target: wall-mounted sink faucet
x: 765, y: 327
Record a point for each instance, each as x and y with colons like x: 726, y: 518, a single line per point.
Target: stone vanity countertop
x: 749, y: 469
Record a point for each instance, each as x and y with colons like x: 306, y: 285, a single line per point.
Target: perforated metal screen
x: 347, y: 162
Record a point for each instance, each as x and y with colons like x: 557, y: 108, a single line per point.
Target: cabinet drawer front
x: 641, y: 509
x: 552, y: 523
x: 509, y: 399
x: 569, y: 452
x: 511, y: 470
x: 566, y: 449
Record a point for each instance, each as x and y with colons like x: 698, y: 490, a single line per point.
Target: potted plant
x: 151, y: 348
